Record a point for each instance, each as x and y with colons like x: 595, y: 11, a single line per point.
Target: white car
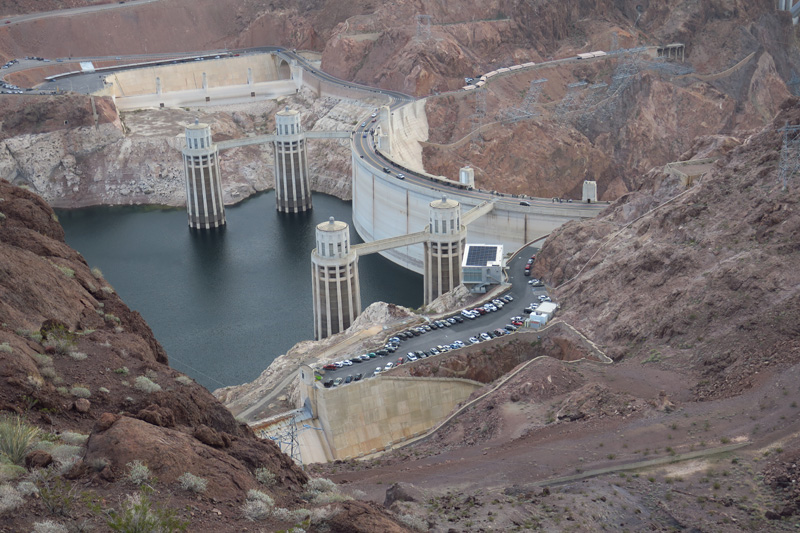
x: 347, y: 362
x: 411, y: 356
x: 388, y: 367
x: 374, y: 115
x: 377, y: 371
x: 474, y: 340
x: 485, y: 336
x: 338, y: 364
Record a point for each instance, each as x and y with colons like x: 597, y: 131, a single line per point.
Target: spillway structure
x: 203, y: 183
x: 444, y: 249
x: 334, y: 279
x: 292, y: 187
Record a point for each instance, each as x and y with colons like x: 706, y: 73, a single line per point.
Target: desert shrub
x: 193, y: 483
x: 64, y: 270
x: 184, y: 380
x: 80, y: 392
x: 9, y: 472
x: 56, y: 494
x: 258, y: 505
x: 138, y: 473
x: 138, y: 515
x: 414, y: 522
x: 78, y: 356
x: 5, y: 347
x: 16, y: 438
x: 63, y: 391
x: 42, y: 359
x: 98, y: 463
x: 27, y: 488
x: 122, y: 370
x: 48, y: 372
x: 97, y: 273
x: 65, y: 452
x: 103, y: 390
x: 71, y: 437
x: 324, y: 498
x: 10, y: 499
x: 107, y: 290
x: 60, y: 339
x: 285, y: 515
x: 112, y: 318
x: 265, y: 477
x: 48, y: 526
x: 145, y: 384
x: 321, y: 484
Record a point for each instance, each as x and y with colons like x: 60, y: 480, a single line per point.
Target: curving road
x: 17, y: 19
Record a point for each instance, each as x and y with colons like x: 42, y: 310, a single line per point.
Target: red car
x: 329, y: 367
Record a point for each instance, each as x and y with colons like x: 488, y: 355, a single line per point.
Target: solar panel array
x: 481, y: 255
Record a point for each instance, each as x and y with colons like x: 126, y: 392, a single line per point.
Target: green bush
x: 265, y: 477
x: 57, y: 494
x: 5, y: 347
x: 16, y: 438
x: 258, y: 506
x: 80, y: 392
x: 97, y: 273
x: 139, y: 515
x: 193, y: 483
x: 138, y: 472
x: 59, y: 339
x: 10, y: 499
x: 145, y: 384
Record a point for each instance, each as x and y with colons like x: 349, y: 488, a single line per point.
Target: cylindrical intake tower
x: 444, y: 249
x: 334, y: 280
x: 203, y: 183
x: 292, y: 189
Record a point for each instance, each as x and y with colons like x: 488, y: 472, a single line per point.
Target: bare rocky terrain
x: 691, y: 291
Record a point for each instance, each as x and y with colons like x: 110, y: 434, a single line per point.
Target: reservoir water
x: 224, y: 304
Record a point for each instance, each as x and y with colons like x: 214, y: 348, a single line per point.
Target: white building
x: 482, y: 266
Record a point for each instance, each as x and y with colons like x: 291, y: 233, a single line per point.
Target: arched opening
x: 284, y: 71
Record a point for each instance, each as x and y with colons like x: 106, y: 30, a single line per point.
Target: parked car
x: 474, y: 340
x: 511, y: 327
x: 358, y: 377
x: 388, y: 367
x: 328, y: 384
x: 348, y: 379
x: 486, y: 336
x: 376, y: 371
x: 329, y: 366
x: 337, y: 382
x: 347, y: 362
x: 411, y: 356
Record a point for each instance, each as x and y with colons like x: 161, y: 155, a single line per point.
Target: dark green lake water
x: 224, y: 304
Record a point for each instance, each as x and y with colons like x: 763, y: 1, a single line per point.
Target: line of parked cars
x: 529, y: 265
x: 393, y: 343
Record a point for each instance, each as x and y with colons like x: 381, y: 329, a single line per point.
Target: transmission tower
x: 790, y: 154
x: 528, y: 107
x: 424, y: 27
x: 286, y: 439
x: 593, y: 95
x: 479, y: 115
x: 566, y: 106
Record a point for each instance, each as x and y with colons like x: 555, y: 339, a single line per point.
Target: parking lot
x: 459, y: 329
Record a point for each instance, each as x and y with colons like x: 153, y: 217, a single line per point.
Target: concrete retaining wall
x: 189, y: 76
x: 366, y: 416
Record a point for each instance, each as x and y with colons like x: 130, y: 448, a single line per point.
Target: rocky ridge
x: 82, y: 367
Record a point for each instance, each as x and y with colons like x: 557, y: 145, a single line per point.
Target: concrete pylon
x: 205, y: 82
x: 203, y: 182
x: 292, y: 186
x: 334, y: 280
x: 589, y: 192
x: 444, y: 249
x: 466, y: 176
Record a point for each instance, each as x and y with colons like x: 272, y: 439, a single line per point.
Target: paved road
x: 523, y: 295
x: 18, y: 19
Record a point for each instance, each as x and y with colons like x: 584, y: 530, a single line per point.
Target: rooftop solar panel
x: 481, y: 255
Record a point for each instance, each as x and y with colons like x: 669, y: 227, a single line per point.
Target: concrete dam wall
x: 223, y: 72
x: 366, y: 416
